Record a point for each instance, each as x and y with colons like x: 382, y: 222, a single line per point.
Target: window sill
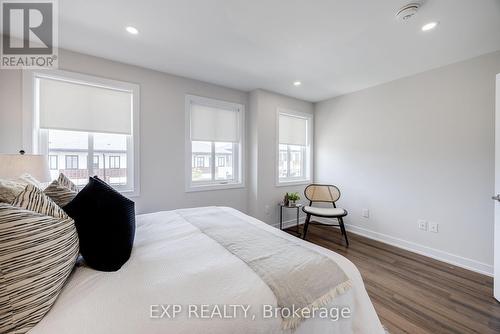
x: 129, y: 193
x: 209, y: 187
x: 292, y: 183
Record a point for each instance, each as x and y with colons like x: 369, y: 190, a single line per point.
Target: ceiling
x: 332, y: 46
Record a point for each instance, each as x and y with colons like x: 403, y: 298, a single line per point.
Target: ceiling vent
x: 407, y: 12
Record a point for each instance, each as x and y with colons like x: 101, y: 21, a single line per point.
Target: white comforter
x: 174, y: 263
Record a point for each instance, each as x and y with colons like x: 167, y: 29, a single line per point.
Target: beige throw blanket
x: 299, y: 277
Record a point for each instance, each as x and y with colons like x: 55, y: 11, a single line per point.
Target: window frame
x: 95, y: 165
x: 219, y: 164
x: 71, y: 157
x: 200, y: 158
x: 238, y: 148
x: 35, y: 139
x: 113, y: 158
x: 50, y: 156
x: 308, y: 150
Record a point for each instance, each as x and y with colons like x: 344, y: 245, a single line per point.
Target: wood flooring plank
x: 413, y: 293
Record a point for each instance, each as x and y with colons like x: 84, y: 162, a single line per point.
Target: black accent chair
x: 328, y: 194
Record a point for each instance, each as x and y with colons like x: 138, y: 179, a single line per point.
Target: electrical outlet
x: 365, y: 213
x: 267, y: 210
x: 434, y: 227
x: 422, y: 225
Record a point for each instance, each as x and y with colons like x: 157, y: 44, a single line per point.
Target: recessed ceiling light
x: 429, y: 26
x: 132, y: 30
x: 297, y: 83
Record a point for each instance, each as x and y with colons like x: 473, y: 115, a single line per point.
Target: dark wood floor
x: 413, y: 293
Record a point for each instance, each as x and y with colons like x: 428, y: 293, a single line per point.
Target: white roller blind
x: 79, y: 107
x: 214, y: 124
x: 292, y: 130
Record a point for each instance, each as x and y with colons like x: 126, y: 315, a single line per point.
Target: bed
x: 174, y: 263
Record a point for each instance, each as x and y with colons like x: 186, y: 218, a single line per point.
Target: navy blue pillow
x: 105, y: 222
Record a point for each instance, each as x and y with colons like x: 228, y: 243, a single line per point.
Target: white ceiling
x: 333, y: 46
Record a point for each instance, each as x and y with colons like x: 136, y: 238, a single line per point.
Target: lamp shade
x: 13, y: 165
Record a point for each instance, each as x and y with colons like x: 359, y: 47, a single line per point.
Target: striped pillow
x: 37, y: 255
x: 65, y: 182
x: 32, y: 198
x: 60, y: 194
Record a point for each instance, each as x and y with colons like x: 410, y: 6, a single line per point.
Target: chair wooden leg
x: 306, y: 225
x: 342, y: 228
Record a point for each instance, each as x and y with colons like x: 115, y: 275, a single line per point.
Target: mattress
x: 179, y: 280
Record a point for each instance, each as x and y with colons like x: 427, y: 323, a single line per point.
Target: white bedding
x: 174, y: 263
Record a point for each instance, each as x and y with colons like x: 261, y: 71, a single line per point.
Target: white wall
x: 162, y: 128
x: 262, y: 151
x: 421, y: 147
x: 10, y: 111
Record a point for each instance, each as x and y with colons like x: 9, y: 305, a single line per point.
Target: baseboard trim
x: 290, y: 223
x: 433, y: 253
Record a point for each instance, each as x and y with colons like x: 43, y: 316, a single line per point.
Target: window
x: 294, y: 147
x: 214, y: 144
x: 85, y: 121
x: 95, y: 162
x: 114, y: 162
x: 71, y: 161
x: 53, y: 162
x: 200, y: 162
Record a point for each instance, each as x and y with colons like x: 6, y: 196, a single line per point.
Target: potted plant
x: 293, y: 197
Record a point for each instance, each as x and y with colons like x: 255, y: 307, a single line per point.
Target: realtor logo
x: 29, y: 38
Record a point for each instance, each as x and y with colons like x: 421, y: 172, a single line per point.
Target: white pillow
x: 28, y: 179
x: 10, y: 189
